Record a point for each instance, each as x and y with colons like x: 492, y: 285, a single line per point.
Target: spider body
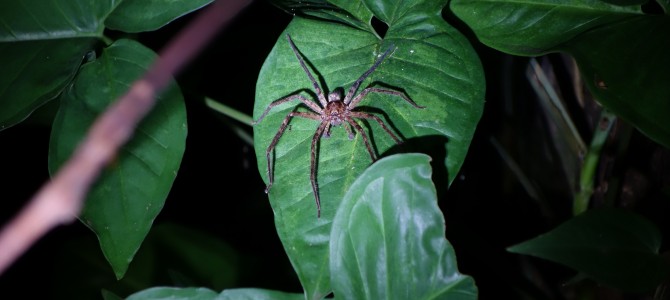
x: 332, y: 111
x: 335, y: 112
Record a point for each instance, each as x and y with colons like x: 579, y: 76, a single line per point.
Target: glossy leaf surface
x: 621, y: 52
x: 433, y: 64
x: 42, y: 43
x: 166, y: 293
x: 170, y: 293
x: 388, y: 239
x: 257, y: 294
x: 122, y: 205
x: 614, y: 247
x: 148, y: 15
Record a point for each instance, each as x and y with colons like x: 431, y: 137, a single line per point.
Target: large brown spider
x: 334, y: 111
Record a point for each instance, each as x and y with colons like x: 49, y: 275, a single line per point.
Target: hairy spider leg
x: 362, y: 115
x: 304, y: 100
x: 357, y: 84
x: 382, y: 91
x: 349, y: 131
x: 323, y: 127
x: 346, y: 126
x: 317, y: 88
x: 365, y: 137
x: 284, y: 124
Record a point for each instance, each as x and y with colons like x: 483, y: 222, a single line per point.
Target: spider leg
x: 365, y: 137
x: 347, y: 127
x: 304, y: 100
x: 362, y: 115
x: 382, y: 91
x: 326, y: 132
x: 367, y: 73
x: 317, y: 88
x: 282, y: 128
x: 324, y: 127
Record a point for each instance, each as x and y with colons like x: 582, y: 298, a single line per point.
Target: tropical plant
x: 381, y: 233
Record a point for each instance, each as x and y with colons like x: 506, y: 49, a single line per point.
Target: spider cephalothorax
x: 334, y: 111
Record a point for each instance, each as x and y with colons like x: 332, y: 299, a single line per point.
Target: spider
x: 334, y: 111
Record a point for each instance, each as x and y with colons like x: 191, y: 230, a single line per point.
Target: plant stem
x: 588, y: 172
x: 228, y: 111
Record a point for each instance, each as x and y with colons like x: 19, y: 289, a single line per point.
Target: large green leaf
x: 535, y: 27
x: 148, y: 15
x: 352, y: 13
x: 257, y: 294
x: 614, y: 247
x: 621, y: 52
x: 122, y: 205
x: 171, y: 293
x: 630, y: 80
x: 388, y: 237
x: 433, y: 63
x: 42, y: 43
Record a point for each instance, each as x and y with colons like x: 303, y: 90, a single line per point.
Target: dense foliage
x: 381, y: 234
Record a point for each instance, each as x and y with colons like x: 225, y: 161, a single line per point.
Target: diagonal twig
x: 60, y: 200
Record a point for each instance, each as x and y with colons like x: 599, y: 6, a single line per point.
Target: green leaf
x: 203, y: 259
x: 626, y: 2
x: 171, y: 293
x: 42, y: 43
x: 351, y: 13
x: 122, y: 205
x: 388, y: 237
x: 630, y: 81
x: 143, y: 15
x: 108, y: 295
x: 665, y: 4
x: 80, y: 260
x: 535, y: 27
x: 621, y: 52
x: 614, y: 247
x: 206, y: 294
x: 433, y: 64
x: 258, y: 294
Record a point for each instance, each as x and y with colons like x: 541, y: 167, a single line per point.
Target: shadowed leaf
x: 122, y: 205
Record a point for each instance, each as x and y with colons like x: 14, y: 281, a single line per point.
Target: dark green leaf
x: 626, y: 2
x: 170, y: 293
x: 388, y: 237
x: 143, y: 15
x: 621, y: 52
x: 433, y: 63
x: 107, y: 295
x: 665, y: 4
x: 122, y: 205
x: 206, y: 294
x: 42, y: 43
x: 535, y: 27
x: 630, y: 80
x: 257, y: 294
x: 614, y: 247
x: 80, y: 260
x: 351, y: 13
x: 204, y: 259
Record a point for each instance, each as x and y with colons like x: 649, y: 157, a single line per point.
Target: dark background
x: 219, y: 191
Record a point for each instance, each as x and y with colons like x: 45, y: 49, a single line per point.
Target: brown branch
x: 60, y: 200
